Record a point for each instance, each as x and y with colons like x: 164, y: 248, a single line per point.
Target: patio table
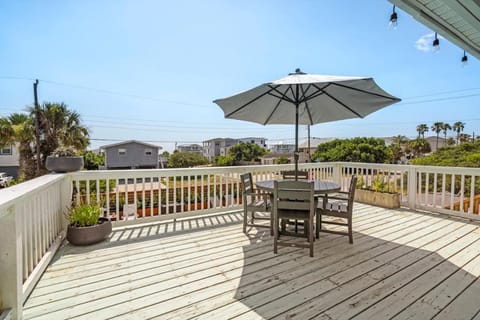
x: 320, y: 186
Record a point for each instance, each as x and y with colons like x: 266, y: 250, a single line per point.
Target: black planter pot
x: 82, y: 236
x: 64, y: 164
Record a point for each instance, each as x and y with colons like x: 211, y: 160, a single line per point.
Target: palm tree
x: 17, y: 129
x: 445, y: 128
x: 6, y: 132
x: 60, y: 127
x: 421, y: 129
x: 419, y: 146
x: 437, y: 128
x: 458, y: 128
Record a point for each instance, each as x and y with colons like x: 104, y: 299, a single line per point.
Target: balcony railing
x: 32, y: 221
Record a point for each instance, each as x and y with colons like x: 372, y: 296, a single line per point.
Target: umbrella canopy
x: 301, y: 98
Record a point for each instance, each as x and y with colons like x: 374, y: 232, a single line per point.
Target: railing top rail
x: 433, y: 169
x: 189, y: 171
x: 16, y: 193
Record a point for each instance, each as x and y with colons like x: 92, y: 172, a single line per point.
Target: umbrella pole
x: 295, y: 155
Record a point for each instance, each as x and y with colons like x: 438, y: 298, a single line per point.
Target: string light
x: 393, y: 19
x: 464, y: 59
x: 436, y: 43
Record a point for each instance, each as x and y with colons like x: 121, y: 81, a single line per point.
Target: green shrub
x: 84, y: 215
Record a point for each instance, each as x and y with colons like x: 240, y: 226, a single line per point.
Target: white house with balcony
x: 217, y: 147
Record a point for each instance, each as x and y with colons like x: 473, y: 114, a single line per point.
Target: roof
x: 130, y: 141
x: 457, y: 21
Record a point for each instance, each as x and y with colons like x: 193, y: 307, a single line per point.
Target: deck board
x: 403, y: 264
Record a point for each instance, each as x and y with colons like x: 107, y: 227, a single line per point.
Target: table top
x: 320, y: 186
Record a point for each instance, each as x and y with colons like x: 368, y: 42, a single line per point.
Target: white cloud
x: 425, y: 42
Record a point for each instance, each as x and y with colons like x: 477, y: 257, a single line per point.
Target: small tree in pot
x: 86, y: 226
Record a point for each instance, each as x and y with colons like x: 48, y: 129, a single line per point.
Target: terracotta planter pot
x: 82, y: 236
x: 385, y: 200
x: 64, y: 164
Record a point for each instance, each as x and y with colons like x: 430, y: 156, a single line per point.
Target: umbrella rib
x: 317, y: 93
x: 367, y: 92
x: 276, y: 106
x: 283, y: 95
x: 249, y: 102
x: 344, y: 105
x: 306, y: 104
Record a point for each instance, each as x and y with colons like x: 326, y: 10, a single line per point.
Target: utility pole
x: 37, y: 125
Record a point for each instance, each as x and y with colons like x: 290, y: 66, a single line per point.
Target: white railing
x: 448, y: 190
x: 32, y: 221
x: 173, y: 193
x: 31, y: 229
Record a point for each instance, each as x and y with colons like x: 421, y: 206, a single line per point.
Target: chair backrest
x: 129, y: 211
x: 247, y: 183
x: 290, y: 174
x: 294, y: 195
x: 351, y: 191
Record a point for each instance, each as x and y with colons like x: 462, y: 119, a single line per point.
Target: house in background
x: 10, y: 160
x: 192, y: 148
x: 261, y: 142
x: 131, y: 155
x: 217, y: 147
x: 282, y: 148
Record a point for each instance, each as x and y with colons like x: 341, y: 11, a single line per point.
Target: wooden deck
x: 402, y: 265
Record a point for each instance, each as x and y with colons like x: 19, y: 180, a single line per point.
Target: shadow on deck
x: 402, y: 265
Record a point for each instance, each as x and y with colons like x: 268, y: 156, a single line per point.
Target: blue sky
x: 149, y: 70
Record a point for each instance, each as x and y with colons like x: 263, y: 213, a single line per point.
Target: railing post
x: 412, y: 187
x: 11, y: 262
x: 336, y: 174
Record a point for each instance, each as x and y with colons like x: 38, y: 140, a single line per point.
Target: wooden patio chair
x: 290, y: 174
x: 293, y: 200
x: 129, y: 211
x: 254, y: 201
x: 338, y: 206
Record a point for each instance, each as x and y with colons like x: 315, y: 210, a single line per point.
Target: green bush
x: 84, y: 215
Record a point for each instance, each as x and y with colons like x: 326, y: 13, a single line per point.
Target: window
x: 122, y: 152
x: 6, y: 150
x: 148, y: 152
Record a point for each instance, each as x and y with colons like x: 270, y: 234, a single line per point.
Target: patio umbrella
x: 307, y: 99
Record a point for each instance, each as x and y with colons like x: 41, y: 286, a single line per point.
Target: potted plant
x: 64, y: 160
x: 86, y: 226
x: 378, y: 193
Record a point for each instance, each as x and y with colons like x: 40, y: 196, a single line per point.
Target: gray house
x: 131, y: 155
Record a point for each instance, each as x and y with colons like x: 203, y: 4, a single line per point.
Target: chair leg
x: 310, y: 236
x: 275, y: 234
x: 245, y: 213
x: 350, y: 231
x: 318, y: 225
x: 271, y: 224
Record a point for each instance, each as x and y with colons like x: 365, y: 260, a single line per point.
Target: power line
x: 111, y: 92
x: 136, y: 96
